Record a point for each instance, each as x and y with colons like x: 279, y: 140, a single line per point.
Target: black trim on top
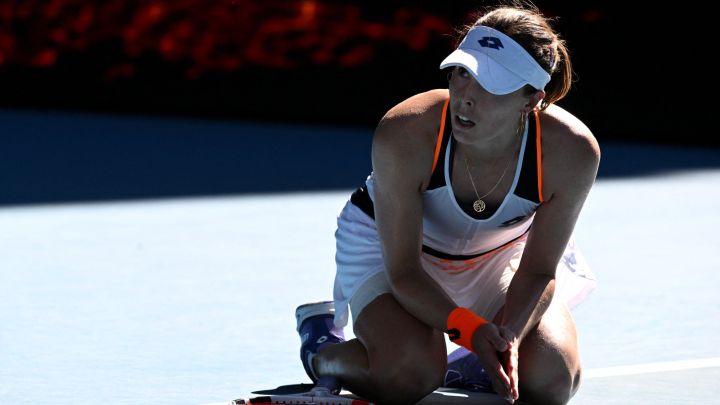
x: 447, y: 256
x: 527, y: 186
x: 361, y: 199
x: 437, y: 179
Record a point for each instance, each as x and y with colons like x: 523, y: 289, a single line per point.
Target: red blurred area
x: 209, y: 36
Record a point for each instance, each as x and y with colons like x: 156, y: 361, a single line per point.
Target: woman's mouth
x: 463, y: 121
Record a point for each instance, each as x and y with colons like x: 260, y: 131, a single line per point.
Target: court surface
x: 191, y: 300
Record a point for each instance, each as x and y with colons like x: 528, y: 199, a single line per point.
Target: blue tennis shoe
x: 317, y: 330
x: 464, y: 371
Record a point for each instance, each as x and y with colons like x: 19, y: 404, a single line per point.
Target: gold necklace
x: 479, y: 204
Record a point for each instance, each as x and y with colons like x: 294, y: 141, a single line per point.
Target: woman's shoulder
x: 570, y: 151
x: 565, y: 133
x: 419, y: 112
x: 408, y: 133
x: 414, y: 121
x: 422, y: 101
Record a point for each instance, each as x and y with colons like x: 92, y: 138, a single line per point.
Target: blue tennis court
x: 190, y: 300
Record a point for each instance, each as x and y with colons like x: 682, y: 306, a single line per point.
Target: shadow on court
x: 63, y: 157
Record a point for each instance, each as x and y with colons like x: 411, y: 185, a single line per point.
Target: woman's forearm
x: 528, y: 297
x: 422, y: 297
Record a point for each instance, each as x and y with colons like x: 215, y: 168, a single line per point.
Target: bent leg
x: 549, y: 363
x: 395, y: 358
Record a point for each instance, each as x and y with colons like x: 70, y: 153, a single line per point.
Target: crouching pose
x: 465, y: 227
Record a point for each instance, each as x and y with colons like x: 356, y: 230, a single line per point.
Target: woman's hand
x: 489, y: 340
x: 510, y: 359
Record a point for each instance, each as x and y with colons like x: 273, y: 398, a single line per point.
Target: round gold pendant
x: 479, y: 205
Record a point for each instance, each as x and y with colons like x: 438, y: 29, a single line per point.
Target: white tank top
x: 451, y: 233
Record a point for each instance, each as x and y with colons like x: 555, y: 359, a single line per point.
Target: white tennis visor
x: 497, y: 62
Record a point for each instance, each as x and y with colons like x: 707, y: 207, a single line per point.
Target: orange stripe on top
x: 438, y: 146
x: 538, y: 143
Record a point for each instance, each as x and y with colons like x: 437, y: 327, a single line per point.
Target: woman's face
x: 477, y: 112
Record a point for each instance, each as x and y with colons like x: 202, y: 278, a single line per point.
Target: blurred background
x: 140, y: 99
x: 142, y: 293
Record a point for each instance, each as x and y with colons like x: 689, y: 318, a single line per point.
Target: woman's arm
x: 403, y: 151
x: 570, y: 161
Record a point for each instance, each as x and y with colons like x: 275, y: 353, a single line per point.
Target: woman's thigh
x: 407, y: 359
x: 549, y: 363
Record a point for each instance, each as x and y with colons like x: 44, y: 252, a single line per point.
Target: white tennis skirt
x: 479, y: 283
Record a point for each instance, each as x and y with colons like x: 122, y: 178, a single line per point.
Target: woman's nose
x: 466, y: 97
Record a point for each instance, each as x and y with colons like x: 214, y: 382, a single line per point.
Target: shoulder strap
x: 528, y: 184
x: 538, y: 148
x: 438, y: 145
x: 437, y: 176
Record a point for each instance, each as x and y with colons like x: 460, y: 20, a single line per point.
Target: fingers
x: 501, y: 382
x: 499, y: 378
x: 487, y: 344
x: 510, y: 359
x: 511, y: 367
x: 502, y: 370
x: 507, y: 334
x: 492, y: 334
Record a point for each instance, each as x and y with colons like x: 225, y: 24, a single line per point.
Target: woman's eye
x: 463, y: 72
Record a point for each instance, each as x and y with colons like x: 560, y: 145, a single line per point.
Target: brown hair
x: 524, y: 23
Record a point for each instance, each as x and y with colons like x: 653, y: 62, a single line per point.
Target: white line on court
x: 652, y: 367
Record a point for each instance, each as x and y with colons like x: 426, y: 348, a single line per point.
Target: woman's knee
x: 407, y: 359
x: 549, y: 362
x: 409, y: 385
x: 555, y: 387
x: 413, y: 370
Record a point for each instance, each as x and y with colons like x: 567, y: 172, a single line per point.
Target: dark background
x: 335, y: 62
x: 185, y: 95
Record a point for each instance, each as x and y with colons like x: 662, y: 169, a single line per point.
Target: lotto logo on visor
x: 497, y: 62
x: 490, y: 42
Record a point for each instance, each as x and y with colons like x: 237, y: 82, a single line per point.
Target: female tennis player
x: 464, y: 227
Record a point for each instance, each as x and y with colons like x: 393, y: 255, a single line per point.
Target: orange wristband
x: 461, y: 325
